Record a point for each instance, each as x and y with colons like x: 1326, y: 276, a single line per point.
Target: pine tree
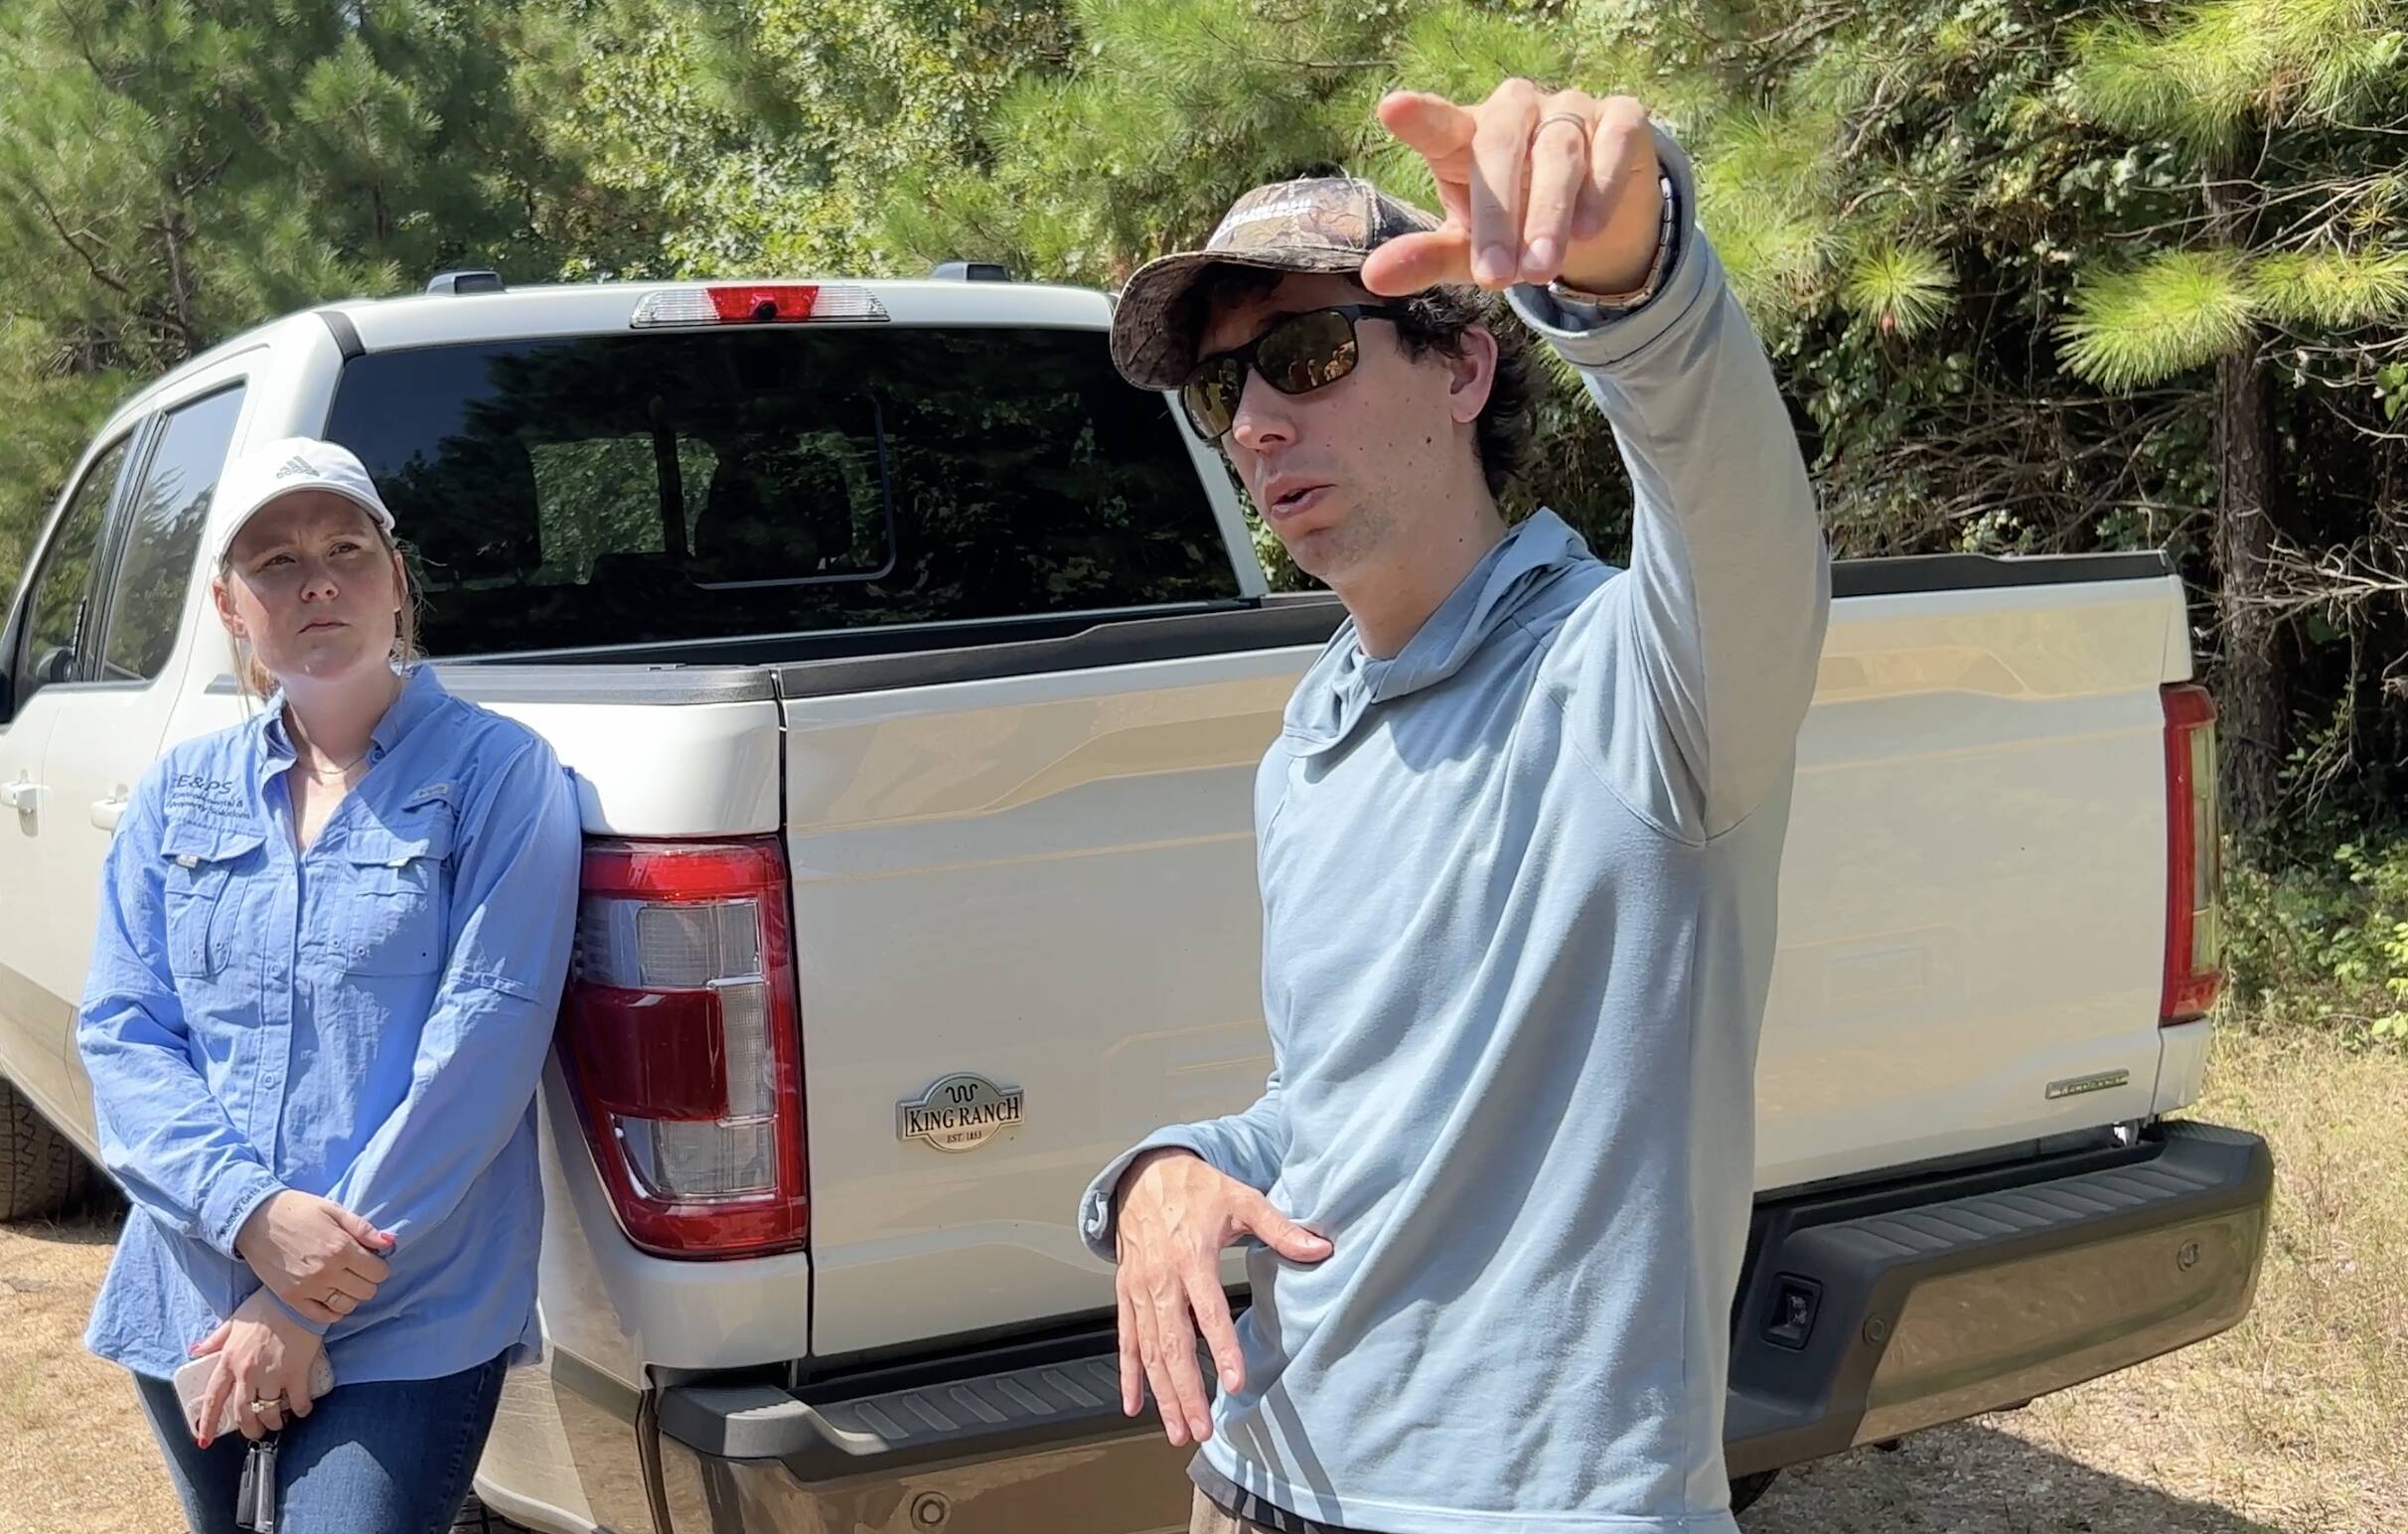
x: 172, y: 172
x: 2049, y: 283
x: 2276, y: 109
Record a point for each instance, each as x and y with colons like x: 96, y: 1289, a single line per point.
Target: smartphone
x: 191, y: 1387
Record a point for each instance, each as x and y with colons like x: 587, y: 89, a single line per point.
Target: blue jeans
x: 384, y: 1457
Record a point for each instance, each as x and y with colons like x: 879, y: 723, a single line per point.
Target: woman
x: 332, y: 945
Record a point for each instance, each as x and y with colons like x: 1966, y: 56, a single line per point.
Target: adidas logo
x: 296, y: 464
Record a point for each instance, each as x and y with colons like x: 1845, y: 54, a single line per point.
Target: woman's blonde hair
x: 255, y: 680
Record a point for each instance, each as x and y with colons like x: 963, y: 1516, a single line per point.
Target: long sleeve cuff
x: 316, y: 1328
x: 231, y: 1204
x: 1095, y: 1205
x: 1602, y: 339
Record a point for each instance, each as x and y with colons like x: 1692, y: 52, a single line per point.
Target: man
x: 1517, y: 845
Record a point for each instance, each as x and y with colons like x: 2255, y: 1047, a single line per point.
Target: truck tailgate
x: 1045, y: 879
x: 1973, y: 895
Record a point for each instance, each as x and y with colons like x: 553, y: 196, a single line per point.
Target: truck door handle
x: 106, y: 813
x: 20, y: 797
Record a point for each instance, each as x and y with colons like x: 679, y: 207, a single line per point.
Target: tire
x: 1744, y: 1489
x: 42, y: 1173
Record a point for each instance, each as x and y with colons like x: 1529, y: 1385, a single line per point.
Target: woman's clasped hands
x: 324, y: 1263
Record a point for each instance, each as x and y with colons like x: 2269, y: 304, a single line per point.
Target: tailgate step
x: 1083, y: 1387
x: 1007, y: 1412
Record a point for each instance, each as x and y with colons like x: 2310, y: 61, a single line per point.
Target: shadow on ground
x: 1974, y: 1479
x: 96, y: 1224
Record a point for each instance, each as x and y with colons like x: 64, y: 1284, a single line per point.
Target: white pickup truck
x: 916, y: 669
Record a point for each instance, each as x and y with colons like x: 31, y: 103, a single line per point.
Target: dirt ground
x: 76, y: 1456
x: 2290, y: 1425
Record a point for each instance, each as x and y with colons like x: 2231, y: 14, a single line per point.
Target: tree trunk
x: 2249, y: 694
x: 2249, y: 680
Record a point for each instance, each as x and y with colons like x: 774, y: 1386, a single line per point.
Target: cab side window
x: 58, y: 619
x: 162, y: 521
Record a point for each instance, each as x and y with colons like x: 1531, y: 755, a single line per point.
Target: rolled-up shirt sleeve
x: 164, y: 1137
x: 481, y: 1052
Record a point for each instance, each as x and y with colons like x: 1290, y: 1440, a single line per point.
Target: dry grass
x: 2295, y: 1423
x: 76, y: 1451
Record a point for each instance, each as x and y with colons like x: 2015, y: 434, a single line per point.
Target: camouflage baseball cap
x: 1325, y: 224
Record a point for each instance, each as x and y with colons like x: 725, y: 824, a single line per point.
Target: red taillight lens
x: 2194, y: 946
x: 756, y: 303
x: 785, y: 301
x: 682, y: 1040
x: 650, y: 1054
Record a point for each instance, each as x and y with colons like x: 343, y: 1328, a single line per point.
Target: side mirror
x: 56, y: 667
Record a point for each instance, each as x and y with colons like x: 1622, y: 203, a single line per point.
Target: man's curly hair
x: 1437, y: 319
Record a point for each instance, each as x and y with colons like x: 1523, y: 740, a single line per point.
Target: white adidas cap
x: 285, y: 467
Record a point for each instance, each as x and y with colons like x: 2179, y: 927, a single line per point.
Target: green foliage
x: 53, y: 411
x: 2391, y: 389
x: 2183, y: 310
x: 2332, y: 290
x: 767, y: 134
x: 1766, y: 202
x: 2214, y: 68
x: 2324, y: 942
x: 1168, y: 111
x: 1898, y: 288
x: 172, y: 173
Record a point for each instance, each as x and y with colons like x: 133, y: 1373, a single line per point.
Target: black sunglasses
x: 1299, y: 355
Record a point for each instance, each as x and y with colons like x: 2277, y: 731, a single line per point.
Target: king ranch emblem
x: 960, y: 1112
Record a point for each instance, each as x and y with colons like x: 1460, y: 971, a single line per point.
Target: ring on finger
x: 1576, y: 119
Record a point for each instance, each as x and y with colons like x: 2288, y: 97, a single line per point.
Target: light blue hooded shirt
x: 1519, y: 892
x: 365, y: 1020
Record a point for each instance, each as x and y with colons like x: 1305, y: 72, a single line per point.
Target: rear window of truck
x: 644, y: 489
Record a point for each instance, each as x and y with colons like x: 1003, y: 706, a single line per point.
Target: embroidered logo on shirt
x: 196, y: 785
x: 217, y: 803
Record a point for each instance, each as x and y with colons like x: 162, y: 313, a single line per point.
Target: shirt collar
x: 421, y: 692
x: 421, y: 695
x: 276, y: 745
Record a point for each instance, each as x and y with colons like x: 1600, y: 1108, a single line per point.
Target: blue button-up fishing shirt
x: 365, y: 1020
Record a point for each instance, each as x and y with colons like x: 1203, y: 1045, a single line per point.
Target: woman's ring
x: 1574, y: 118
x: 263, y: 1406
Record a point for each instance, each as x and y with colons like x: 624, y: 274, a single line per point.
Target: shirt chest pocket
x: 395, y: 918
x: 201, y: 894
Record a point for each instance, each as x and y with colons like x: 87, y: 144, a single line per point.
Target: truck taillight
x: 2195, y: 944
x: 683, y: 1045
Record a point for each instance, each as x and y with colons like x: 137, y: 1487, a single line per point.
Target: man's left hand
x: 1536, y: 186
